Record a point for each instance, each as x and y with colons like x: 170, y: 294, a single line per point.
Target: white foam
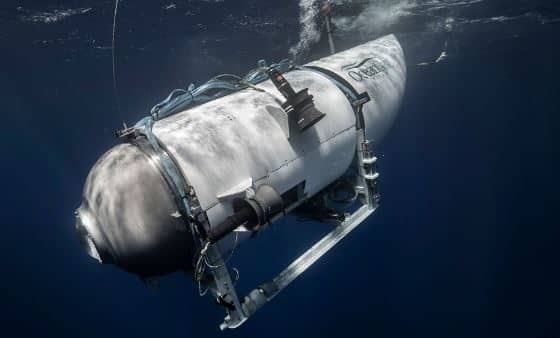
x: 309, y: 30
x: 53, y: 16
x: 376, y: 16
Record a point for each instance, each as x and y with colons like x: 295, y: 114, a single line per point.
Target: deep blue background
x: 464, y: 245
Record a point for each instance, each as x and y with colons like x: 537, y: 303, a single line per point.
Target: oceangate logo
x: 364, y: 69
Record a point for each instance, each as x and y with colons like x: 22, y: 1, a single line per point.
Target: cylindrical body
x: 240, y: 137
x: 378, y: 68
x: 242, y: 140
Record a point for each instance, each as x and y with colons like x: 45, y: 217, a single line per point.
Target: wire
x: 113, y: 57
x: 199, y: 267
x: 229, y: 256
x: 218, y: 86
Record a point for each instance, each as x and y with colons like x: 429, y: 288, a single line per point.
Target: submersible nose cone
x: 129, y: 215
x: 97, y: 251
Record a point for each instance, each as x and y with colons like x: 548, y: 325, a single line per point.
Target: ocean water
x: 464, y: 243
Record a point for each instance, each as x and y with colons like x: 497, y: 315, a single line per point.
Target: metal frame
x: 366, y: 187
x: 191, y: 212
x: 265, y: 292
x: 237, y: 312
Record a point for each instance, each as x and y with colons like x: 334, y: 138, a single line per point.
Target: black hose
x: 243, y: 216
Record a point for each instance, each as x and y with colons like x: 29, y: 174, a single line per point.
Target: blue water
x: 464, y: 244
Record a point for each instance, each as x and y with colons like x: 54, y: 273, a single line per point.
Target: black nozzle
x: 252, y: 212
x: 245, y: 215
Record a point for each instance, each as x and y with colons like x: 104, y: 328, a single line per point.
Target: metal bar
x: 265, y: 292
x: 320, y: 248
x: 225, y: 288
x: 329, y: 34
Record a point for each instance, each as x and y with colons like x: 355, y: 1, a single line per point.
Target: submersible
x: 190, y: 182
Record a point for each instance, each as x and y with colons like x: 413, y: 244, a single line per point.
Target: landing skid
x: 266, y: 291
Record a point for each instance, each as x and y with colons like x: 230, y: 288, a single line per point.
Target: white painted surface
x: 382, y: 75
x: 221, y: 144
x: 128, y: 212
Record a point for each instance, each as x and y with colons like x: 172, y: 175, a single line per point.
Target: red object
x: 326, y: 9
